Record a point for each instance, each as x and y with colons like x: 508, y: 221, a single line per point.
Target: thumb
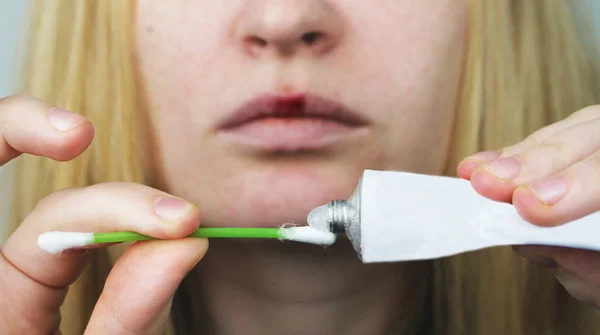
x: 139, y: 290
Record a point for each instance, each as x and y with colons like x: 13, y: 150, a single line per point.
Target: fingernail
x: 485, y: 156
x: 505, y: 168
x: 551, y: 190
x: 171, y: 209
x: 64, y: 120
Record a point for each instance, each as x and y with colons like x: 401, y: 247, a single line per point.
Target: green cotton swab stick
x: 56, y: 242
x: 126, y: 236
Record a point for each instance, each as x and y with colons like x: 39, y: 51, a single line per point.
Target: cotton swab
x: 56, y: 242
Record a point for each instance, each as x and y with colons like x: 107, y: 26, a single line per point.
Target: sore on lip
x: 291, y: 123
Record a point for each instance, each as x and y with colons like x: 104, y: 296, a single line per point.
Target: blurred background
x: 12, y: 30
x: 12, y: 24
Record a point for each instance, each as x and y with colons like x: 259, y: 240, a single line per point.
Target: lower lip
x: 291, y: 134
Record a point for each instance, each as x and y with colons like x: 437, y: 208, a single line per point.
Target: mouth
x: 291, y: 122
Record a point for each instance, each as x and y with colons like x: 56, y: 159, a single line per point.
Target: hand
x: 138, y: 292
x: 551, y: 178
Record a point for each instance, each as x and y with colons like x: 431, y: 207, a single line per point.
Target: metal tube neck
x: 338, y: 216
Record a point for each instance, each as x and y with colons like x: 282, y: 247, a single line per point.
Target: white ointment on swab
x: 308, y: 235
x: 56, y: 242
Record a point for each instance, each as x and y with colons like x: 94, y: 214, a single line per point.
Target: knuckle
x: 590, y: 167
x: 112, y: 189
x: 87, y: 193
x: 554, y: 147
x: 553, y: 152
x: 559, y: 148
x: 50, y: 200
x: 16, y: 102
x: 540, y: 136
x: 115, y: 195
x: 595, y: 160
x: 117, y: 321
x: 118, y: 187
x: 101, y: 193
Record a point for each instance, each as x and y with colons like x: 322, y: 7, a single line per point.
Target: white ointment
x: 308, y: 235
x: 405, y: 216
x: 317, y: 218
x: 56, y: 242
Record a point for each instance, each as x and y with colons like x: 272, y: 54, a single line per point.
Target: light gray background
x: 12, y: 24
x: 12, y: 20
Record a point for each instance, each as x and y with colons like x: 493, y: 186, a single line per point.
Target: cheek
x: 179, y: 44
x: 413, y: 58
x: 411, y: 74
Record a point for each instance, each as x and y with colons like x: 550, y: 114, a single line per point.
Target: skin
x: 191, y: 67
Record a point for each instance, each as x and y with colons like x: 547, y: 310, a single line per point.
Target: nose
x: 286, y: 27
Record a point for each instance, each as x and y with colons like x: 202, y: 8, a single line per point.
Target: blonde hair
x: 527, y: 64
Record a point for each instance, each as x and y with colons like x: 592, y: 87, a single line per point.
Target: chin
x: 271, y: 197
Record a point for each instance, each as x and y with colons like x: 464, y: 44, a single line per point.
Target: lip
x: 291, y: 122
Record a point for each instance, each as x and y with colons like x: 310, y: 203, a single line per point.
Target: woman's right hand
x: 138, y: 292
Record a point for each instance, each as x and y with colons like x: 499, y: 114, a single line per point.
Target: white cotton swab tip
x: 308, y: 235
x: 55, y: 242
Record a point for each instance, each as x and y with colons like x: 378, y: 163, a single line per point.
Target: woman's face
x: 264, y: 109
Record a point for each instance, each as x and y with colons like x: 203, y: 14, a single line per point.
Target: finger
x: 498, y: 180
x: 139, y: 290
x: 28, y: 125
x: 21, y: 317
x: 99, y: 208
x: 468, y: 165
x: 582, y: 116
x: 577, y: 270
x: 579, y: 274
x: 578, y: 288
x: 564, y: 197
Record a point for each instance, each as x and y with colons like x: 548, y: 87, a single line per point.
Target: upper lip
x: 291, y: 106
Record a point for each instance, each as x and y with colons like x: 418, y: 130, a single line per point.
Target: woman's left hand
x: 552, y: 177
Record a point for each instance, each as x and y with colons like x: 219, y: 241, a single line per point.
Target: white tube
x: 398, y: 216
